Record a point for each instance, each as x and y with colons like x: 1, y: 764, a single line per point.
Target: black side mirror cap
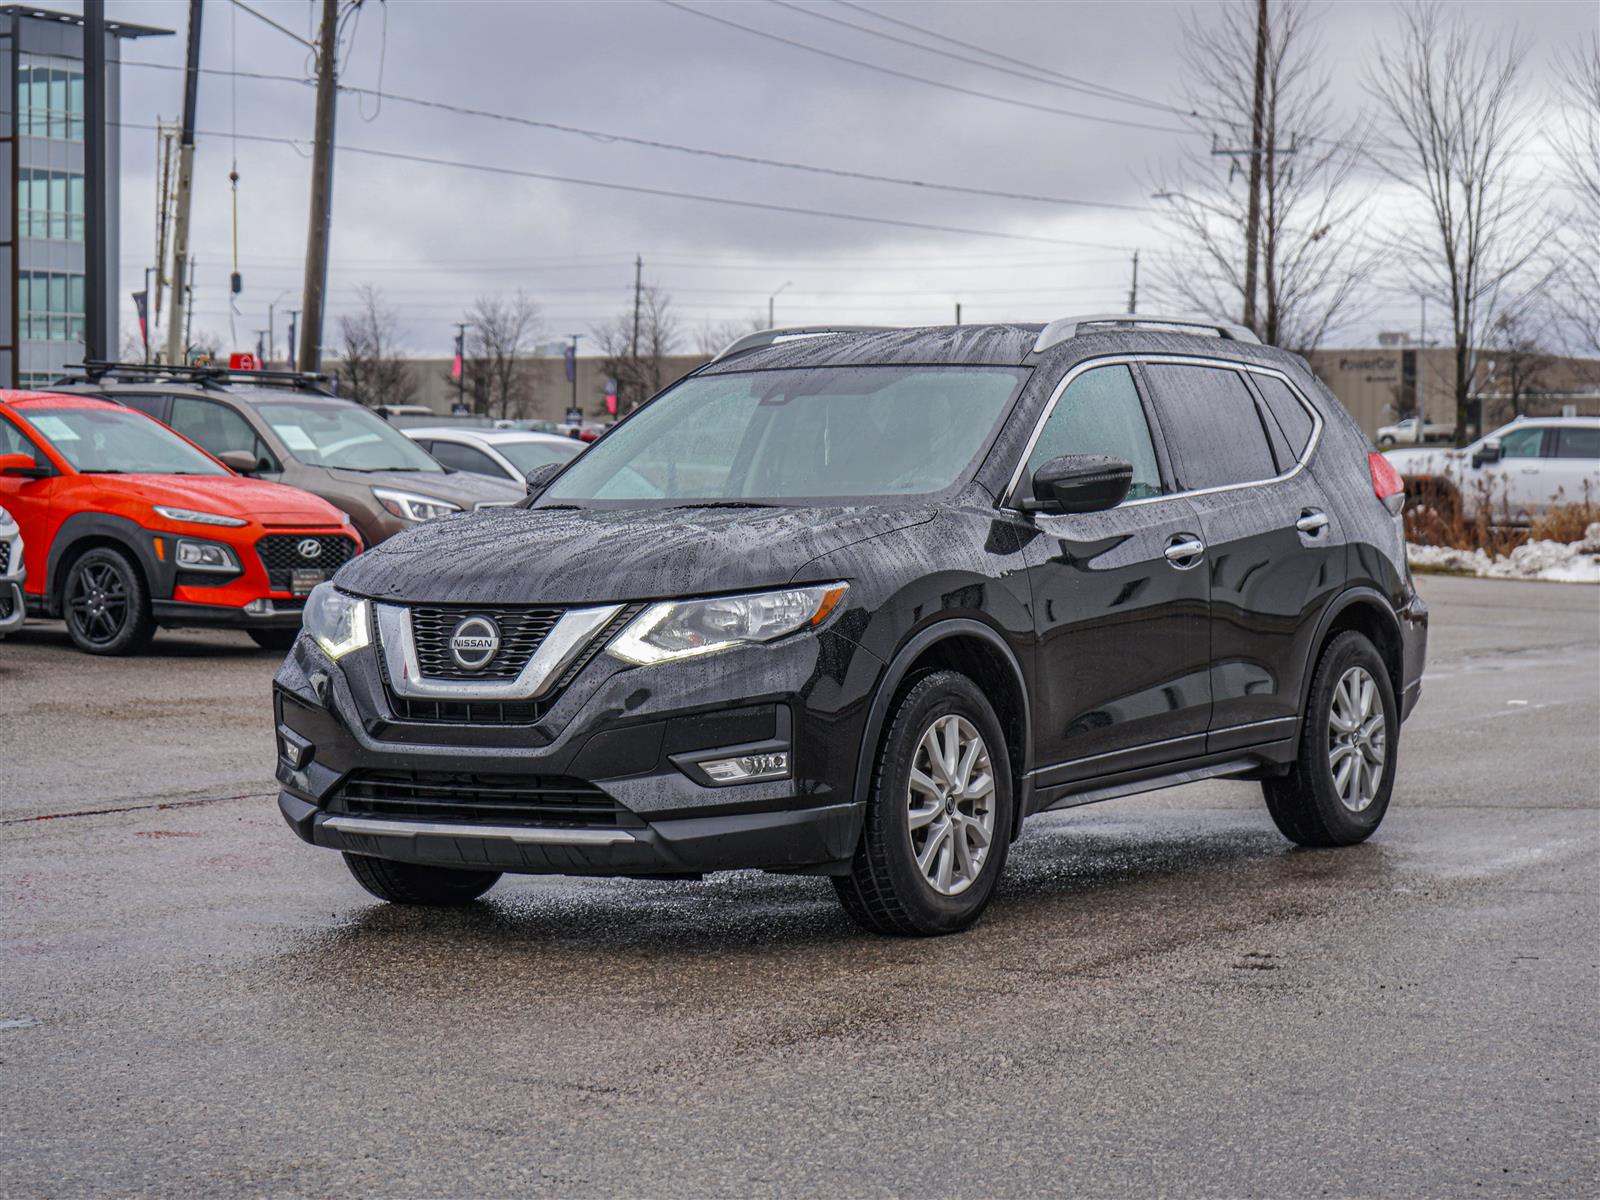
x: 1080, y: 483
x: 540, y: 477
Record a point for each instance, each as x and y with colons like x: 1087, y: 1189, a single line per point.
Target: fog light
x: 259, y: 608
x: 747, y: 768
x: 293, y: 748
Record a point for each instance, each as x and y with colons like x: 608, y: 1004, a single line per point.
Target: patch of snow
x: 1558, y: 562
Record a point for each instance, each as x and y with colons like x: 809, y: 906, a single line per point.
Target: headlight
x: 205, y: 556
x: 191, y: 517
x: 5, y: 517
x: 338, y: 621
x: 410, y: 507
x: 687, y: 628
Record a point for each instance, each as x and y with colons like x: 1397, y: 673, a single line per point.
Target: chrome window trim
x: 1010, y: 501
x: 569, y: 637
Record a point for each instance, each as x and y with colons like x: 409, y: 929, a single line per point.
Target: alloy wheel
x: 950, y: 804
x: 98, y: 605
x: 1357, y: 739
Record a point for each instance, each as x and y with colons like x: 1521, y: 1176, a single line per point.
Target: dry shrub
x: 1434, y: 517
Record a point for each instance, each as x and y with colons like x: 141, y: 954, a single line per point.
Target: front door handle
x: 1184, y: 550
x: 1311, y: 521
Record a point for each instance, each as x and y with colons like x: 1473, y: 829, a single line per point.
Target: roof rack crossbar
x: 1060, y: 330
x: 771, y: 337
x: 96, y: 369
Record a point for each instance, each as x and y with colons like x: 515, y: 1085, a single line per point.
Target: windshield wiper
x: 725, y: 504
x: 103, y: 471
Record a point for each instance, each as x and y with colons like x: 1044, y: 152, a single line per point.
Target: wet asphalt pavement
x: 1165, y: 997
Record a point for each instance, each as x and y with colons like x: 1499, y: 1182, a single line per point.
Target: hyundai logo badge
x: 474, y: 642
x: 310, y: 548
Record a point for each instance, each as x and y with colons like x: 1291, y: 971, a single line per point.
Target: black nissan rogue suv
x: 857, y: 602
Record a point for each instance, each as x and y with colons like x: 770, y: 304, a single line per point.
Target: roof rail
x: 1060, y: 330
x: 96, y: 369
x: 771, y: 337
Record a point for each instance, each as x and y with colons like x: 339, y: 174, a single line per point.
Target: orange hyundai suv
x: 127, y: 526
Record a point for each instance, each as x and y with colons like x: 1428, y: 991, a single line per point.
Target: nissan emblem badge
x: 474, y: 642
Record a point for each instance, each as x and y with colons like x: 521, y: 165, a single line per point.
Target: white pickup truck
x: 1523, y: 468
x: 1414, y: 431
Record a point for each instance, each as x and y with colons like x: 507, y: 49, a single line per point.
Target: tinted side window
x: 1212, y: 426
x: 1100, y: 413
x: 1287, y: 411
x: 1522, y: 443
x: 214, y: 428
x: 465, y: 458
x: 14, y: 441
x: 150, y: 406
x: 1577, y: 441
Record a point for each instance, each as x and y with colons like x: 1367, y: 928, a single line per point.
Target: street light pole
x: 772, y: 305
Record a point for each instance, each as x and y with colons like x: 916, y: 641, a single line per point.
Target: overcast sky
x: 432, y: 236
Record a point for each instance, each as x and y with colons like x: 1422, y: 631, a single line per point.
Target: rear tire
x: 274, y: 639
x: 935, y: 837
x: 106, y: 604
x: 413, y: 883
x: 1338, y: 789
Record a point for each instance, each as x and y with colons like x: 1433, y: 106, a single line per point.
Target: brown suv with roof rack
x: 289, y: 427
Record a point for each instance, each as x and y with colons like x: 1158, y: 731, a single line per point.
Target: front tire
x: 413, y: 883
x: 1338, y: 790
x: 107, y: 604
x: 939, y: 817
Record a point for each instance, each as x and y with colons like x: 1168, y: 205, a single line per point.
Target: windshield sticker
x: 294, y: 437
x: 54, y: 428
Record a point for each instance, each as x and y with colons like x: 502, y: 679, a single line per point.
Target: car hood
x: 227, y: 496
x: 581, y: 556
x: 457, y: 487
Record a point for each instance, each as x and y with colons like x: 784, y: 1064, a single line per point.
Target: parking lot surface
x: 1164, y: 997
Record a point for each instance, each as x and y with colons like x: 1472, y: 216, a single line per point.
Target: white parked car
x: 1413, y: 431
x: 12, y: 573
x: 499, y: 453
x: 1526, y: 467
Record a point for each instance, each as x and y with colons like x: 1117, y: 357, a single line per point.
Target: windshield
x: 775, y: 436
x: 343, y: 434
x: 117, y: 441
x: 529, y: 456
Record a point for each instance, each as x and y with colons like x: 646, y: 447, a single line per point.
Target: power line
x: 938, y: 83
x: 638, y: 189
x: 1067, y: 83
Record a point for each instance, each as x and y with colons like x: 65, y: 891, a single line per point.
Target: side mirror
x: 1489, y: 452
x: 539, y: 478
x: 23, y: 466
x: 241, y: 461
x: 1081, y: 483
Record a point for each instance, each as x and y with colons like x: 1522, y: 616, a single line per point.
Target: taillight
x: 1387, y: 485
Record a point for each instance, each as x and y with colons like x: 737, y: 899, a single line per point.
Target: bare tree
x: 1516, y: 371
x: 713, y: 337
x: 1314, y: 250
x: 1449, y: 98
x: 501, y: 332
x: 638, y: 365
x: 371, y: 369
x: 1576, y: 277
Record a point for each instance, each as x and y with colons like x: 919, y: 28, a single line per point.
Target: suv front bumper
x: 12, y: 576
x: 628, y: 736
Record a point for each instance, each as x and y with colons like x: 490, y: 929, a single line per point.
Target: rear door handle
x: 1184, y: 550
x: 1311, y: 521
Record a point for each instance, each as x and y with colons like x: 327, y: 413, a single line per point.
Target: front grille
x: 522, y: 629
x: 280, y: 555
x: 467, y: 712
x: 544, y: 800
x: 5, y: 557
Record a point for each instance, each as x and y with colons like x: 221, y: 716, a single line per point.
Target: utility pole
x: 638, y: 296
x: 574, y: 380
x: 461, y: 365
x: 958, y: 312
x: 1252, y: 224
x: 1422, y: 366
x: 182, y: 271
x: 96, y: 288
x: 1133, y: 290
x: 188, y: 309
x: 772, y: 305
x: 316, y: 282
x: 289, y: 346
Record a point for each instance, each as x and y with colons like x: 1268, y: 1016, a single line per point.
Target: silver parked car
x: 12, y: 573
x: 498, y: 453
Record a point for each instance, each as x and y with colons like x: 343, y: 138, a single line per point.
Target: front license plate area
x: 302, y: 580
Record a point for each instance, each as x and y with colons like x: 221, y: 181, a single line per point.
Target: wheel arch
x: 1368, y: 612
x: 977, y: 651
x: 83, y: 532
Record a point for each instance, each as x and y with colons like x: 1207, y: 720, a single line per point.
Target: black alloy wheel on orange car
x: 107, y: 604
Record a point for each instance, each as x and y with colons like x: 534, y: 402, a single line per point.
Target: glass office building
x: 42, y: 254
